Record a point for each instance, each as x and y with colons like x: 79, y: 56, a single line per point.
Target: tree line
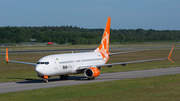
x: 76, y: 35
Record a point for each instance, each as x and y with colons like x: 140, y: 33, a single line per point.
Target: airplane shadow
x: 52, y: 79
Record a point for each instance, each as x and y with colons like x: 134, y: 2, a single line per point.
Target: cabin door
x: 55, y: 64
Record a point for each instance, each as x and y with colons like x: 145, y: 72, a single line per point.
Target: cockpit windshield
x: 43, y: 63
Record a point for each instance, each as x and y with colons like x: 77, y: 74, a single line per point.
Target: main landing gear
x: 90, y: 78
x: 63, y: 77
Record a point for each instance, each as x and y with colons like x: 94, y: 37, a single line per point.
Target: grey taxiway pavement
x: 74, y: 80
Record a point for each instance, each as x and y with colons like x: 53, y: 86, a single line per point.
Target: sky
x: 125, y: 14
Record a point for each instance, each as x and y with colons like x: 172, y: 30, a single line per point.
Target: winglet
x: 170, y: 54
x: 7, y: 58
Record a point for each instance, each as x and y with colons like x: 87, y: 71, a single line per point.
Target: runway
x: 75, y: 80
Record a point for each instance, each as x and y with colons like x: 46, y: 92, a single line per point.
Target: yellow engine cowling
x: 91, y: 72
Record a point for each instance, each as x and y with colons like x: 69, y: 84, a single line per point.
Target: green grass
x: 159, y: 88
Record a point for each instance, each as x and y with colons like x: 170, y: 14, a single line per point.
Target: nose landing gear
x: 45, y: 79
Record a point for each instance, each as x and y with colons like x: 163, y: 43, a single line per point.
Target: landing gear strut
x: 63, y: 77
x: 45, y: 79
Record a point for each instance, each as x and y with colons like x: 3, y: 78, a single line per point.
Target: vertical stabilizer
x: 104, y: 46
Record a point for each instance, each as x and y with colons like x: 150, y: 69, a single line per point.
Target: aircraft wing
x: 22, y: 62
x: 7, y: 60
x: 125, y: 63
x: 120, y: 63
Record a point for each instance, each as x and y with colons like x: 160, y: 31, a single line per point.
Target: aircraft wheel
x: 90, y: 78
x: 61, y: 77
x: 65, y: 77
x: 45, y: 80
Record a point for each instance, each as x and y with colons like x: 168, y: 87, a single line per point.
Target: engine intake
x: 91, y: 72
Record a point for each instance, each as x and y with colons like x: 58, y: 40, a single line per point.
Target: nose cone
x: 39, y: 69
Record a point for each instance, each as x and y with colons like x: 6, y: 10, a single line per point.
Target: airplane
x: 88, y: 63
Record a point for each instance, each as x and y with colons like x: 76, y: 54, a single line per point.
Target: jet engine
x: 91, y: 72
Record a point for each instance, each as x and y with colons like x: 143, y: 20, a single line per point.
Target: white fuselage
x: 60, y: 64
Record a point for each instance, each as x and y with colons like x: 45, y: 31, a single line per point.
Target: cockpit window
x: 43, y: 63
x: 46, y: 63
